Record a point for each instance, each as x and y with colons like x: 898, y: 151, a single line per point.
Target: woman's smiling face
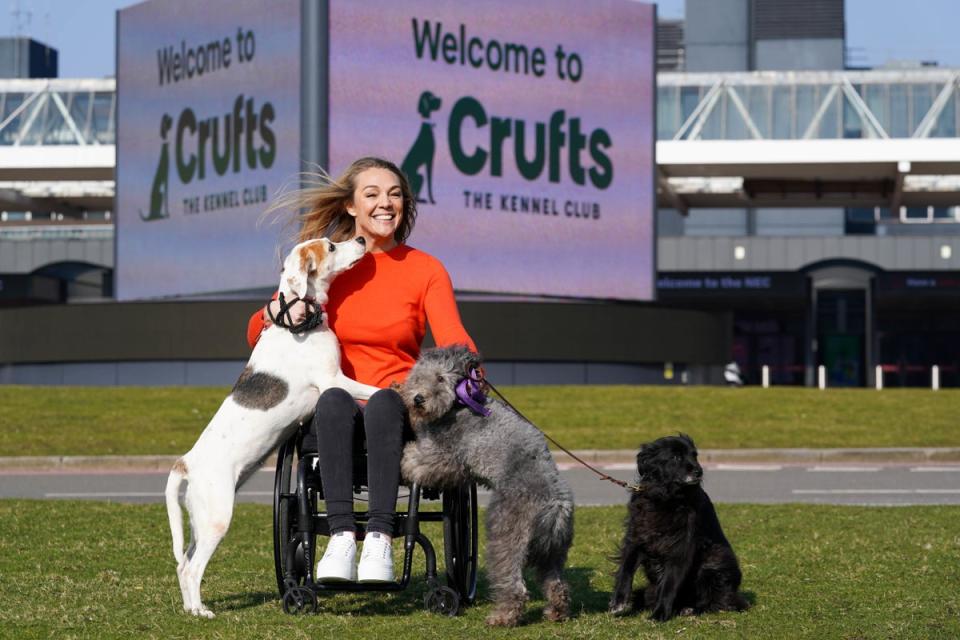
x: 377, y: 207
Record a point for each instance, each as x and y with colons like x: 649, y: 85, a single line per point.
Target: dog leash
x: 636, y: 488
x: 285, y: 320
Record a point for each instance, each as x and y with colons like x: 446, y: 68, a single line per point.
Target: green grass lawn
x: 138, y: 420
x: 101, y: 570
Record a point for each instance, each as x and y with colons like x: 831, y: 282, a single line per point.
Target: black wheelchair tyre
x: 290, y: 568
x: 460, y: 546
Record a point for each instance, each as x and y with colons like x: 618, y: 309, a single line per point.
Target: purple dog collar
x: 470, y: 393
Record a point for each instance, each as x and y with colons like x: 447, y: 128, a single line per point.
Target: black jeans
x: 337, y: 423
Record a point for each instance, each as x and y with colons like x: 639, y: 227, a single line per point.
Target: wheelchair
x: 297, y: 523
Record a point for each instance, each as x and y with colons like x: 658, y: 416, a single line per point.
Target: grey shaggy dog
x: 530, y: 516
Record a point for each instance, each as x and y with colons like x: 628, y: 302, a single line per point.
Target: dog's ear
x: 647, y: 468
x: 297, y: 268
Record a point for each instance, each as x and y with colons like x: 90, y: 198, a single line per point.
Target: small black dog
x: 673, y: 532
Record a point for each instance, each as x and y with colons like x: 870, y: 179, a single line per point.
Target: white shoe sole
x: 374, y: 574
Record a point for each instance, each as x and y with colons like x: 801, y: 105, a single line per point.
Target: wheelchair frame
x: 297, y: 523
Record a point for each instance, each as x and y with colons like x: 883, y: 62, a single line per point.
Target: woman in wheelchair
x: 379, y: 310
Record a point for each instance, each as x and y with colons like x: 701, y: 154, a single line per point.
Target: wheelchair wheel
x: 460, y: 540
x: 288, y: 555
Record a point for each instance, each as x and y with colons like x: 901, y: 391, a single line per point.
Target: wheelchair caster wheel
x: 299, y: 600
x: 442, y: 600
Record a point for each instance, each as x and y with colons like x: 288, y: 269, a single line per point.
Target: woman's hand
x: 298, y: 312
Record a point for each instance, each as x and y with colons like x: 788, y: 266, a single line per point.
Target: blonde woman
x: 379, y: 311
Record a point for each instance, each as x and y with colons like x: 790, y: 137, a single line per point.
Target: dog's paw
x: 661, y: 614
x: 619, y: 608
x: 503, y: 619
x: 202, y: 612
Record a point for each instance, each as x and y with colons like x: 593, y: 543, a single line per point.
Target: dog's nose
x: 361, y: 240
x: 418, y: 400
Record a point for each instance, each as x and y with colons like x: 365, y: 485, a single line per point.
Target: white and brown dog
x: 280, y: 386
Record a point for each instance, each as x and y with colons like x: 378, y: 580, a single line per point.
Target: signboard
x: 765, y: 284
x: 208, y: 122
x: 526, y: 129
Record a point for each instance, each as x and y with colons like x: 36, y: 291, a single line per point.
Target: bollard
x: 879, y: 377
x: 766, y: 376
x: 822, y: 377
x: 935, y: 378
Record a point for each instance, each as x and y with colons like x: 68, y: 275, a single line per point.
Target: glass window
x: 923, y: 95
x: 757, y: 103
x: 689, y: 99
x: 783, y: 113
x: 806, y: 107
x: 830, y: 121
x: 946, y: 125
x: 899, y: 112
x: 79, y: 107
x: 102, y: 123
x: 875, y: 95
x: 668, y: 112
x: 10, y: 132
x: 915, y: 214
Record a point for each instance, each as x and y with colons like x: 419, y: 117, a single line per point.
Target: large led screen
x: 526, y: 128
x: 207, y: 131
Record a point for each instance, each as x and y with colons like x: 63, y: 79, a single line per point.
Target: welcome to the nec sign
x: 526, y: 130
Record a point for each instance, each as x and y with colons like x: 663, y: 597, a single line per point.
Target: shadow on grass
x: 359, y: 603
x: 240, y: 601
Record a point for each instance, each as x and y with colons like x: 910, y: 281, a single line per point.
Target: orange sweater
x: 379, y: 310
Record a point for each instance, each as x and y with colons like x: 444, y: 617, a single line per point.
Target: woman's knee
x: 385, y: 410
x: 334, y: 407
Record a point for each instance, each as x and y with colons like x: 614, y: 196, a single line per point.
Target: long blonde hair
x: 323, y: 202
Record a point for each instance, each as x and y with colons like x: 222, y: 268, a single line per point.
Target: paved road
x: 861, y: 484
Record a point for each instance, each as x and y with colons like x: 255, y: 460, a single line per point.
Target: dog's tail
x: 178, y: 474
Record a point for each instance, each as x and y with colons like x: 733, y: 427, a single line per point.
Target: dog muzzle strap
x: 470, y: 393
x: 285, y: 320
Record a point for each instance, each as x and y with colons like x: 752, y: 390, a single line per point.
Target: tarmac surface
x: 883, y: 477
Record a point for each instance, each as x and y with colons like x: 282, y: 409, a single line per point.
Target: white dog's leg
x: 356, y: 389
x: 211, y: 509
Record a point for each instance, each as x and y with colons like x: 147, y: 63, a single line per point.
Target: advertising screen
x: 208, y: 122
x: 527, y: 130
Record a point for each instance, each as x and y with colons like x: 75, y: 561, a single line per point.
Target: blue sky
x: 877, y: 30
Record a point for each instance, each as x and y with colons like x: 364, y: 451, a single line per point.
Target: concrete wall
x: 25, y: 256
x: 795, y: 55
x: 717, y: 35
x: 204, y: 342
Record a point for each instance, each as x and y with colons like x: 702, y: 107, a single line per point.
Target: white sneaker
x: 376, y: 560
x: 337, y: 565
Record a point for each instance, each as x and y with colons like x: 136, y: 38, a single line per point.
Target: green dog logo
x: 159, y: 208
x: 418, y: 164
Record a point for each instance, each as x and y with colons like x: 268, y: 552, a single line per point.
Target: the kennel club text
x: 530, y: 204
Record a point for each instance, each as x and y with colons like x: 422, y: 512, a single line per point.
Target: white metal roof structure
x: 57, y: 144
x: 808, y: 138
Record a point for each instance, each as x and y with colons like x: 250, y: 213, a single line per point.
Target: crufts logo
x: 421, y: 153
x: 240, y: 140
x: 159, y: 206
x: 508, y: 138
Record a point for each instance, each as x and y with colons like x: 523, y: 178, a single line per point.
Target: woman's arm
x: 442, y: 313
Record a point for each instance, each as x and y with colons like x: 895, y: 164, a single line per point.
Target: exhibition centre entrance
x: 846, y: 316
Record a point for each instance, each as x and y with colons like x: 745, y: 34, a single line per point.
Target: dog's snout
x: 418, y: 400
x: 361, y: 240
